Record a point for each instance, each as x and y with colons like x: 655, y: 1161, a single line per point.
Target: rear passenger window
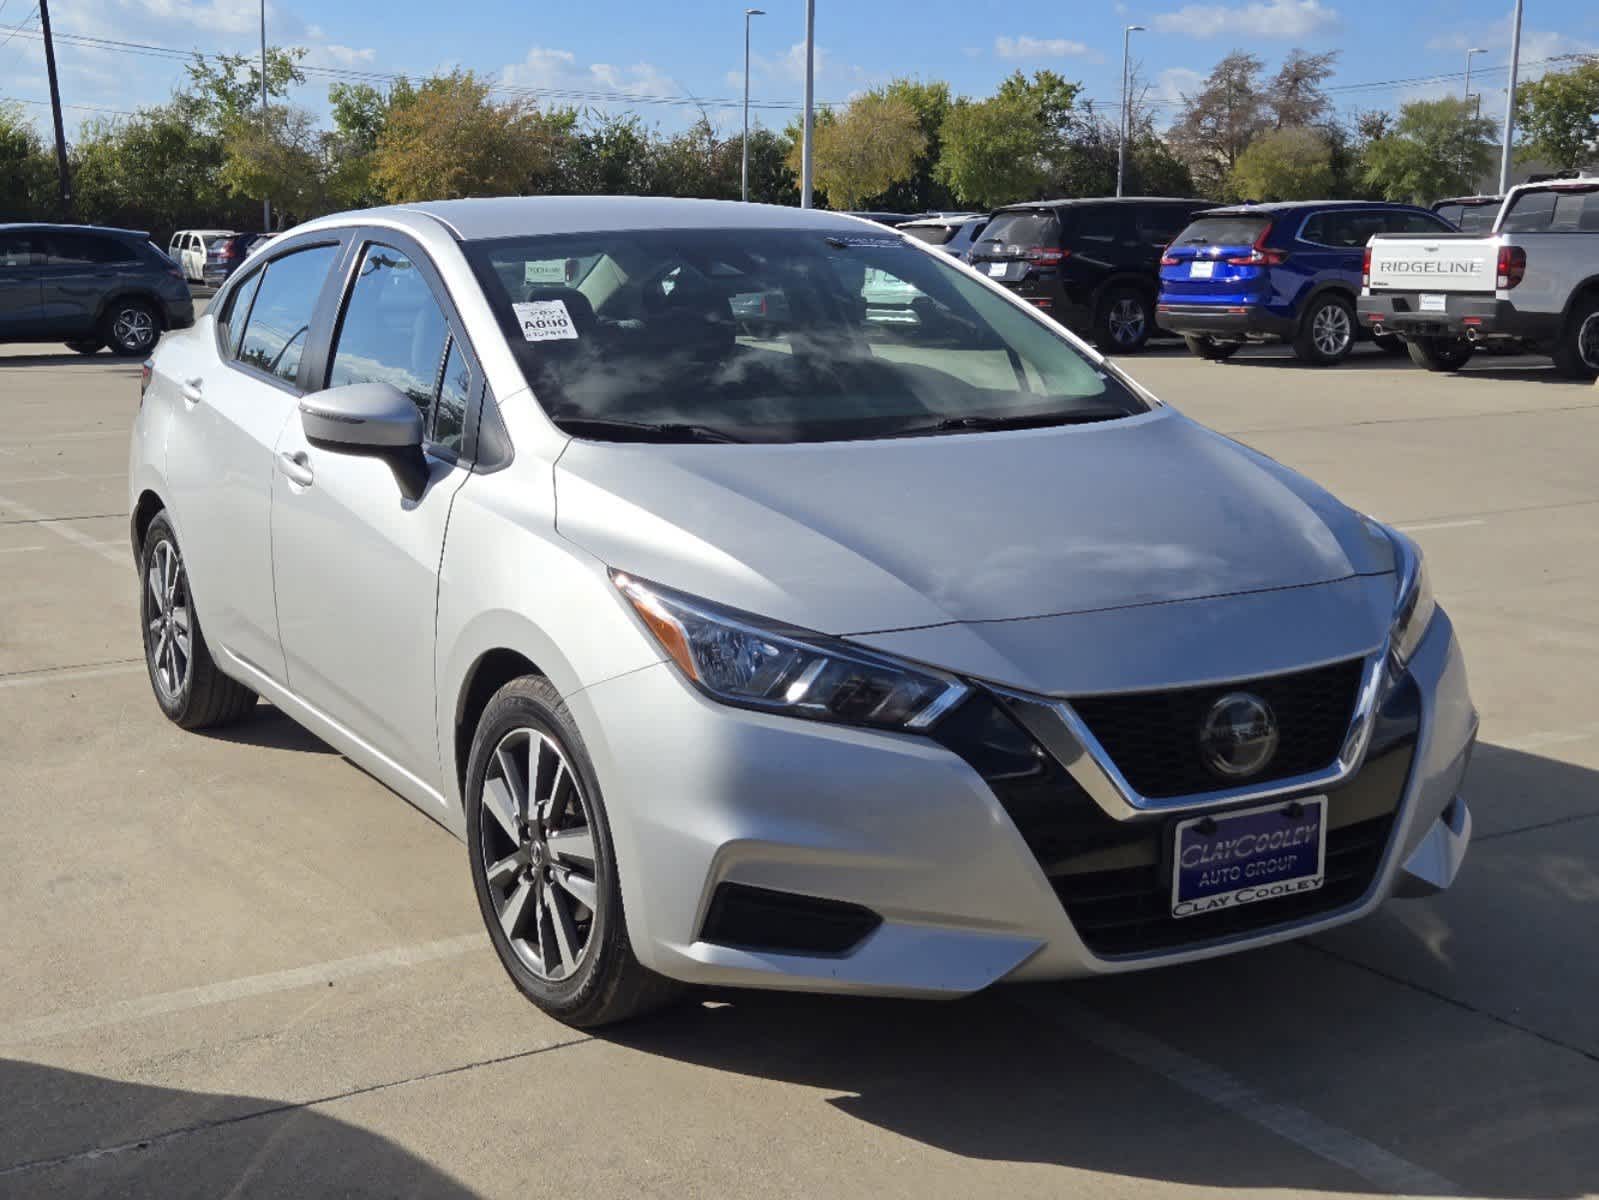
x: 1101, y: 223
x: 83, y: 249
x: 230, y: 323
x: 393, y: 330
x: 1159, y: 224
x: 16, y: 250
x: 1531, y: 212
x: 280, y: 319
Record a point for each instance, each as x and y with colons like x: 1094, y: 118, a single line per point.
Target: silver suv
x: 891, y: 642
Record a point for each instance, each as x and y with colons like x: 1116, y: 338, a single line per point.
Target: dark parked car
x: 88, y: 287
x: 1278, y: 272
x: 1470, y: 214
x: 1090, y: 264
x: 226, y: 255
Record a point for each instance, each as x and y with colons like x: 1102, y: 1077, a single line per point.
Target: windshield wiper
x: 979, y: 423
x: 642, y: 431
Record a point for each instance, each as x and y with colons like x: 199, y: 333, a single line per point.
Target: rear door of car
x: 20, y: 288
x: 80, y: 270
x: 356, y: 560
x: 241, y: 377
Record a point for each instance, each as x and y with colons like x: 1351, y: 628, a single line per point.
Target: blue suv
x: 1277, y: 272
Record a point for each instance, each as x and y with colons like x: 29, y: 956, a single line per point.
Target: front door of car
x: 238, y: 391
x: 20, y: 289
x: 355, y: 557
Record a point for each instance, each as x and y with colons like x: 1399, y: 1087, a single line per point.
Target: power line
x: 90, y: 107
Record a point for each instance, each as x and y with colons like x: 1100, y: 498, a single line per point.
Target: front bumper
x: 1463, y: 316
x: 700, y: 795
x: 1228, y: 322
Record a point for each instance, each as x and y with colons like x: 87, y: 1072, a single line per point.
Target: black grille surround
x: 762, y: 920
x: 1113, y: 878
x: 1153, y: 737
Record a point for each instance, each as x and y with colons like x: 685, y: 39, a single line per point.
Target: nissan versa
x: 897, y: 643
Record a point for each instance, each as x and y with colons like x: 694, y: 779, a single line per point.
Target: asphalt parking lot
x: 236, y: 965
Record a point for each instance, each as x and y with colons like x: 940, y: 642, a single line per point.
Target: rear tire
x: 1125, y: 319
x: 1389, y: 343
x: 544, y: 865
x: 190, y: 689
x: 1326, y: 332
x: 131, y: 328
x: 1576, y: 354
x: 86, y: 345
x: 1210, y: 348
x: 1438, y: 353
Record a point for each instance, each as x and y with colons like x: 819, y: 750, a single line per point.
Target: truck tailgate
x: 1433, y: 263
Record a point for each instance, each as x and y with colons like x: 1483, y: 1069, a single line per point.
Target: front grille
x: 1153, y: 737
x: 1113, y: 878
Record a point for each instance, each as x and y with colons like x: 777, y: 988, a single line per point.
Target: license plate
x: 1431, y: 303
x: 1201, y: 270
x: 997, y: 269
x: 1239, y: 858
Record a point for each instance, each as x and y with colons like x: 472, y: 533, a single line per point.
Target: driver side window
x: 280, y: 319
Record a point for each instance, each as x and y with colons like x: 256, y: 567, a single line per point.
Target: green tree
x: 1219, y: 121
x: 1284, y: 164
x: 864, y: 150
x: 27, y: 168
x: 993, y: 151
x: 282, y: 157
x: 1437, y: 148
x: 227, y: 86
x: 923, y: 190
x: 1559, y: 116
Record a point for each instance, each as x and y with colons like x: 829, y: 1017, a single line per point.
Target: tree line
x: 208, y: 156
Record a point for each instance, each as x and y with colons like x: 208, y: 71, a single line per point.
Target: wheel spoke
x: 518, y: 906
x: 499, y: 803
x: 561, y: 923
x: 572, y: 846
x: 515, y: 780
x: 576, y: 886
x: 553, y: 806
x: 501, y: 874
x: 161, y: 647
x: 156, y: 592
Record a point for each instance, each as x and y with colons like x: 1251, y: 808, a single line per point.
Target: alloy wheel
x: 169, y: 620
x: 538, y: 854
x: 1331, y: 330
x: 1588, y: 341
x: 1126, y: 321
x: 134, y: 328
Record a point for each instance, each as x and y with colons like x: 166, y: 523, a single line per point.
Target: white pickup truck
x: 1534, y: 280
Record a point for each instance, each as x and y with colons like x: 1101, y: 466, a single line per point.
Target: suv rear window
x: 1223, y: 231
x: 1014, y: 232
x: 933, y: 235
x: 1568, y: 210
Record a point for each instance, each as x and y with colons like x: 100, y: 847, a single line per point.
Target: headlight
x: 738, y: 659
x: 1415, y: 605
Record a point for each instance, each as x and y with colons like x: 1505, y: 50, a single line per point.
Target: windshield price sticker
x: 545, y: 321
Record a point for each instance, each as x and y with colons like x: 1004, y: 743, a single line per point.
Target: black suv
x: 88, y: 287
x: 1091, y: 264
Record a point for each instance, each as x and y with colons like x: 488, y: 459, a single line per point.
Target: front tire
x: 1439, y: 353
x: 1326, y: 332
x: 1576, y: 354
x: 131, y: 328
x: 1124, y: 321
x: 1209, y: 348
x: 544, y: 866
x: 190, y: 689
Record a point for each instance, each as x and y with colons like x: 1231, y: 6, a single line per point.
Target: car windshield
x: 777, y: 336
x: 1223, y: 231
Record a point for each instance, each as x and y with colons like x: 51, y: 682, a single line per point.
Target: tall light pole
x: 1464, y: 152
x: 1510, y: 102
x: 807, y: 159
x: 744, y: 174
x: 266, y: 203
x: 1127, y: 118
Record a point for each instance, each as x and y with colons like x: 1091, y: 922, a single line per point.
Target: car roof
x: 1290, y: 206
x: 61, y: 227
x: 534, y: 216
x: 1024, y: 205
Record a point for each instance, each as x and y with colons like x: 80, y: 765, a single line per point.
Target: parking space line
x: 122, y: 666
x: 1380, y: 1167
x: 57, y: 526
x: 120, y: 1011
x: 18, y: 549
x: 1425, y: 525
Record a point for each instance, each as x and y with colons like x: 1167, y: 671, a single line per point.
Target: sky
x: 665, y: 62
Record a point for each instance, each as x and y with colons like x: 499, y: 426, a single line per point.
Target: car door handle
x: 297, y: 468
x: 193, y: 389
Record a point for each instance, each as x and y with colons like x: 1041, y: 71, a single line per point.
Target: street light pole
x: 744, y: 173
x: 1127, y: 121
x: 807, y: 160
x: 266, y: 203
x: 1510, y: 102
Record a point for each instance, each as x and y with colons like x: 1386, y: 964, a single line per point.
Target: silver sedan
x: 892, y: 642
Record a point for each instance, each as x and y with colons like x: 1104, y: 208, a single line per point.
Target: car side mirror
x: 369, y: 418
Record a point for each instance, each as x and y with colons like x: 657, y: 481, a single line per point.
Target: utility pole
x: 1127, y: 116
x: 807, y: 161
x: 1510, y: 102
x: 65, y: 176
x: 1464, y: 152
x: 266, y: 203
x: 744, y: 172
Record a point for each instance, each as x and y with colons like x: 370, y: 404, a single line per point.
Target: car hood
x: 869, y: 536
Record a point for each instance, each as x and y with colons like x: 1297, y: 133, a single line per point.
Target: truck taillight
x: 1365, y: 268
x: 1512, y: 266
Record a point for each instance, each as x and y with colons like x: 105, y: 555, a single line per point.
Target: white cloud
x: 1032, y: 47
x: 332, y: 54
x: 1172, y: 84
x: 596, y: 85
x: 1259, y: 18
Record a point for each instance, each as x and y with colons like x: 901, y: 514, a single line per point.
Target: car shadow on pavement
x: 1405, y: 1028
x: 269, y: 728
x: 76, y: 1135
x: 67, y: 358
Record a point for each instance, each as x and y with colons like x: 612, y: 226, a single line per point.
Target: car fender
x: 129, y: 292
x: 1318, y: 290
x: 1587, y: 286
